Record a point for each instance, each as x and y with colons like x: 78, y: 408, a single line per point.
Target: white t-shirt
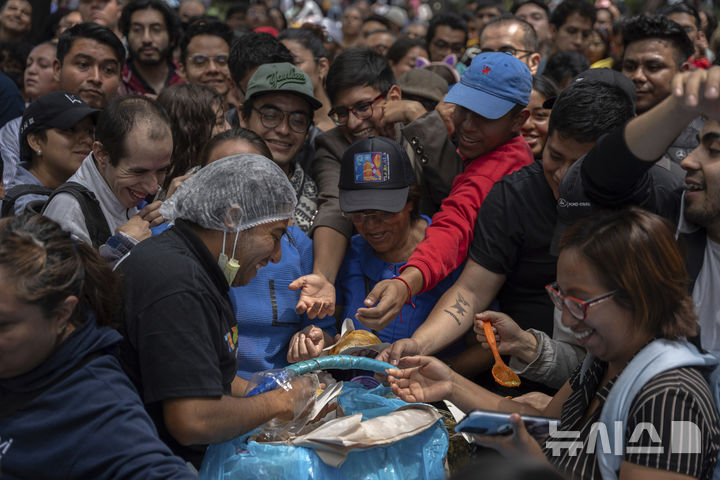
x: 706, y: 293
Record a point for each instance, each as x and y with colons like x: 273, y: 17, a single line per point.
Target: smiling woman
x: 15, y: 20
x: 378, y: 193
x: 56, y: 135
x: 622, y: 289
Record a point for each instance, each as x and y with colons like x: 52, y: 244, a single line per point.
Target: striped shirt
x: 676, y: 395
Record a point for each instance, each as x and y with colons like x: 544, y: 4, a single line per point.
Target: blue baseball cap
x: 493, y: 84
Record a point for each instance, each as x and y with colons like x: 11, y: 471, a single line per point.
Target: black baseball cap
x: 55, y: 110
x: 375, y: 174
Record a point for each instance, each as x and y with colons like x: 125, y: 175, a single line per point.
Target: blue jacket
x: 359, y: 273
x: 87, y: 422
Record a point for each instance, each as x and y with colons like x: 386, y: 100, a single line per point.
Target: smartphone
x: 484, y: 422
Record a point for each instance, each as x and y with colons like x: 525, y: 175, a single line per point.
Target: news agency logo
x: 685, y: 438
x: 563, y: 203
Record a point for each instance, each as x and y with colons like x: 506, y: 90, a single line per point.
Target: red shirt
x: 134, y: 84
x: 449, y: 235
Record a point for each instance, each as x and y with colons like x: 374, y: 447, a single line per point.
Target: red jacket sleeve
x: 448, y: 237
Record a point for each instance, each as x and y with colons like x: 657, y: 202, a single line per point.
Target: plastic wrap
x: 417, y: 457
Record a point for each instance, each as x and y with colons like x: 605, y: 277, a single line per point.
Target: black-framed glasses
x: 456, y: 48
x: 577, y: 308
x: 375, y: 215
x: 362, y: 111
x: 271, y: 117
x: 509, y: 50
x: 200, y: 59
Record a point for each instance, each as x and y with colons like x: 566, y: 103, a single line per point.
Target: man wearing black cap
x: 509, y: 257
x: 56, y: 134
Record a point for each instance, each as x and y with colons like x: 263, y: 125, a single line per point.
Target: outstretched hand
x: 317, y: 296
x: 424, y: 379
x: 383, y: 304
x: 399, y: 349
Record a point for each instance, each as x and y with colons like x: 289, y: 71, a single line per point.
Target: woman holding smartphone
x: 621, y: 286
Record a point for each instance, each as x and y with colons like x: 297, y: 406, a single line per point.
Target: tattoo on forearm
x: 452, y: 315
x: 459, y: 307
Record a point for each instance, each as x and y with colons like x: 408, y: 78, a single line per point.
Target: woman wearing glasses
x: 622, y: 288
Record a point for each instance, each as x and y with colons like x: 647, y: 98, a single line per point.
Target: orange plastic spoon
x: 501, y: 372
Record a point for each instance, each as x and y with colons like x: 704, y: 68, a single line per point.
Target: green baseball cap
x: 282, y: 77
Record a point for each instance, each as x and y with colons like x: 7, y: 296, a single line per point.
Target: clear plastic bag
x: 303, y: 401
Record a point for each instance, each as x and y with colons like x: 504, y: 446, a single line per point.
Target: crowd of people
x: 195, y: 192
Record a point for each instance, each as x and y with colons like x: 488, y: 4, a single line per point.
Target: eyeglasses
x: 454, y: 47
x: 577, y: 308
x: 200, y: 59
x: 271, y: 117
x: 375, y: 215
x: 509, y: 50
x: 362, y: 111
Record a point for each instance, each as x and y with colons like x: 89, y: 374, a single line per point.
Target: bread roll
x: 354, y: 338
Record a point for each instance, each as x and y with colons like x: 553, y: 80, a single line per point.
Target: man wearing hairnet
x: 180, y: 346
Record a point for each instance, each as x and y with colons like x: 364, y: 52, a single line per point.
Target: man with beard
x: 617, y: 173
x: 152, y: 30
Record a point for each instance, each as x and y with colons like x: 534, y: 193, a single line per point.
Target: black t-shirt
x: 180, y: 331
x: 512, y: 237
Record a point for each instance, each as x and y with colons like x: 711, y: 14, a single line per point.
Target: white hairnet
x: 255, y: 185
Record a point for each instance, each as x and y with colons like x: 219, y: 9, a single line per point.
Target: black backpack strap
x: 95, y: 222
x: 11, y: 196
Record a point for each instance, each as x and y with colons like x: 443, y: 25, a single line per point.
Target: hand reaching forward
x: 317, y: 296
x: 424, y: 379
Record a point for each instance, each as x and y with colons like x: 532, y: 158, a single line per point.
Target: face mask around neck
x: 229, y: 267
